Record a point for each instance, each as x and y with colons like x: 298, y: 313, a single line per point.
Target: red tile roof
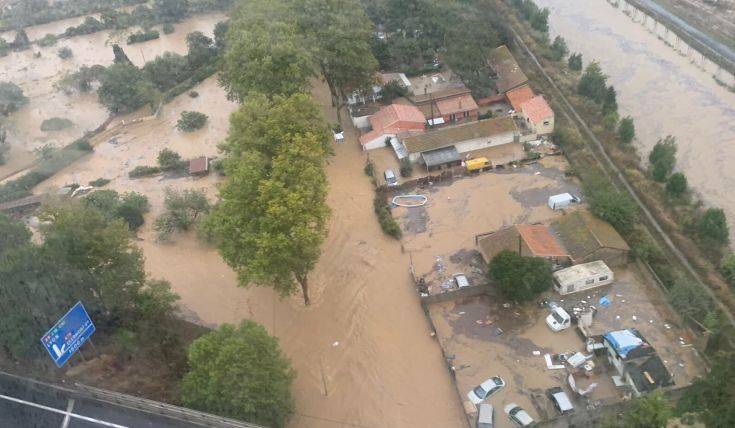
x: 540, y: 240
x: 393, y: 119
x: 519, y: 95
x: 537, y: 109
x: 198, y: 165
x: 457, y: 104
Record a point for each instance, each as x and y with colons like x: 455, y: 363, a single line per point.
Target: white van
x: 558, y: 319
x: 582, y: 277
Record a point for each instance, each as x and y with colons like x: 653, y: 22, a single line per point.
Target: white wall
x: 378, y: 142
x: 484, y: 143
x: 361, y: 122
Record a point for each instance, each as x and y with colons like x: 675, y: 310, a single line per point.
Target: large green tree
x: 124, y: 89
x: 712, y: 227
x: 240, y: 372
x: 11, y: 98
x: 593, y: 82
x: 611, y: 205
x: 340, y: 32
x: 712, y: 397
x: 662, y: 158
x: 13, y: 234
x: 271, y: 219
x: 649, y: 411
x: 265, y: 52
x: 626, y: 129
x: 519, y: 278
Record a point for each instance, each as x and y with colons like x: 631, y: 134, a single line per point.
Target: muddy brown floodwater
x: 665, y: 91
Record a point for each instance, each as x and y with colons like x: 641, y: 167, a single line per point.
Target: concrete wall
x: 377, y: 142
x: 463, y: 293
x: 361, y: 122
x: 484, y: 143
x: 539, y: 128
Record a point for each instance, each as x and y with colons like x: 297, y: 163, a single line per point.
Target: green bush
x: 143, y: 36
x: 81, y: 144
x: 65, y: 53
x: 168, y: 28
x: 183, y: 210
x: 56, y: 124
x: 519, y: 278
x: 712, y: 227
x: 143, y: 171
x: 369, y: 168
x: 99, y: 182
x: 690, y: 300
x: 575, y: 62
x: 727, y: 268
x: 385, y: 218
x: 611, y: 205
x: 169, y: 160
x: 663, y: 158
x: 190, y: 121
x: 406, y: 167
x: 11, y: 98
x: 626, y: 130
x: 677, y: 185
x: 47, y: 40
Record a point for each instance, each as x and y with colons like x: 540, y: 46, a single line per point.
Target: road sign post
x: 68, y: 335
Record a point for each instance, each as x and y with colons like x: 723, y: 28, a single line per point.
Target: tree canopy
x: 520, y: 278
x: 626, y: 129
x: 124, y: 88
x: 271, y: 219
x: 648, y: 411
x: 265, y: 52
x: 712, y: 227
x: 611, y: 205
x: 712, y: 396
x: 11, y: 98
x: 593, y: 83
x: 662, y: 158
x: 239, y: 372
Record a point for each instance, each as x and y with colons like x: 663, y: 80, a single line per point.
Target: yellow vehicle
x: 478, y: 164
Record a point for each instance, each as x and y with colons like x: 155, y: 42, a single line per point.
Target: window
x: 546, y: 123
x: 590, y: 281
x: 602, y: 278
x: 452, y: 117
x: 466, y: 114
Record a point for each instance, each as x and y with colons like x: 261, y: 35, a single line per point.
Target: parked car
x: 485, y: 416
x: 517, y: 415
x: 560, y: 399
x: 461, y: 280
x: 486, y: 389
x: 558, y: 319
x: 390, y: 178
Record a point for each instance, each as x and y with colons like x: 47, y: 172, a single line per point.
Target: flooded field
x: 37, y: 78
x: 665, y: 91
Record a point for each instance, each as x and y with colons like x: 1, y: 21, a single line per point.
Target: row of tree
x: 271, y: 217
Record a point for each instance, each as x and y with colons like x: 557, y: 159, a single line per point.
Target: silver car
x: 486, y: 389
x: 517, y: 415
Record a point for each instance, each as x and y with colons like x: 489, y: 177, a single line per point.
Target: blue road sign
x: 68, y: 335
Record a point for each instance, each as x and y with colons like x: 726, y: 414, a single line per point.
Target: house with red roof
x: 390, y: 121
x: 453, y: 105
x: 538, y: 115
x: 529, y: 240
x: 516, y: 97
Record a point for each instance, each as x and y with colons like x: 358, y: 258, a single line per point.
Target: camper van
x: 563, y: 200
x: 582, y: 277
x: 478, y: 164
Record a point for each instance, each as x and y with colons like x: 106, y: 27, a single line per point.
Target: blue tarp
x: 604, y: 301
x: 623, y: 341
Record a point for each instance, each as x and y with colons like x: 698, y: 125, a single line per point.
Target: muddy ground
x: 362, y: 350
x: 488, y: 336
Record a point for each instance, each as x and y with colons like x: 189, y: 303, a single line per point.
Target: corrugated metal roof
x: 456, y: 134
x: 440, y: 156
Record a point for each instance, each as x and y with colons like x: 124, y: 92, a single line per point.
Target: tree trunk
x: 303, y: 281
x: 330, y: 83
x: 340, y: 97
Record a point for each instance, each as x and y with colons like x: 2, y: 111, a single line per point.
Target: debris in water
x: 617, y: 317
x: 462, y: 313
x: 667, y: 326
x: 498, y: 331
x: 635, y: 318
x: 506, y: 305
x: 335, y: 344
x: 650, y: 321
x: 536, y: 352
x: 537, y: 173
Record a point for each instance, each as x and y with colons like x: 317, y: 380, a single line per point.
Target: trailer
x: 582, y: 277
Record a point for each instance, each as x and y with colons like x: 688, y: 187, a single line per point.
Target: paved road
x: 703, y: 38
x: 24, y: 403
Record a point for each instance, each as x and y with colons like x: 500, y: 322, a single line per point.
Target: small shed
x: 560, y: 201
x: 199, y: 166
x: 582, y: 277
